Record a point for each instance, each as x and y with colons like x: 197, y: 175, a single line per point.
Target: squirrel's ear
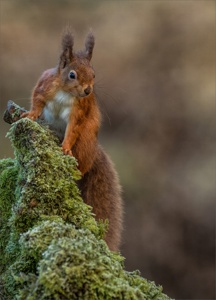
x: 67, y: 49
x: 89, y: 45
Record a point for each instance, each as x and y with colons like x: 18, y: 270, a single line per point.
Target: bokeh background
x: 155, y: 83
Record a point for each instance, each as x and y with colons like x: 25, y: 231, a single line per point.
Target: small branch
x: 13, y: 112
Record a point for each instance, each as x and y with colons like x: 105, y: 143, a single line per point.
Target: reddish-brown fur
x: 99, y: 185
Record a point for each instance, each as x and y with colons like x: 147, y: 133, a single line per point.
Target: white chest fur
x: 57, y: 111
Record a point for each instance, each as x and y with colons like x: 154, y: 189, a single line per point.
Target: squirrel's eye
x: 72, y: 75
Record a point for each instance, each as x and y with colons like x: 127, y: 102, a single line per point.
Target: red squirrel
x: 65, y: 98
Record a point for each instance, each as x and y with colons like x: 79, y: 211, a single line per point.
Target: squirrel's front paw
x: 67, y: 151
x: 31, y: 115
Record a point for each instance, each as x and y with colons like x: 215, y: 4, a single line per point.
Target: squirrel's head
x: 76, y: 73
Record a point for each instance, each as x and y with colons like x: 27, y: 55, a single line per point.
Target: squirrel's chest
x: 58, y: 109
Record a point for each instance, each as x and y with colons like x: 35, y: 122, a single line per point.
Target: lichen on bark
x: 51, y: 246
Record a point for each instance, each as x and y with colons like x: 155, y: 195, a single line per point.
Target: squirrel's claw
x: 67, y: 151
x: 29, y: 115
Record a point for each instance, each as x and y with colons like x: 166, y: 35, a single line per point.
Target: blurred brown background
x: 155, y: 74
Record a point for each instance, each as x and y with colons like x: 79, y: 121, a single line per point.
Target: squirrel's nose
x: 87, y: 90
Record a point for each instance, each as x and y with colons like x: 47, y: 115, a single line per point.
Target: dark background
x: 155, y: 74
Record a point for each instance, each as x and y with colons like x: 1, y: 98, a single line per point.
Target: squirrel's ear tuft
x: 67, y: 48
x: 89, y: 45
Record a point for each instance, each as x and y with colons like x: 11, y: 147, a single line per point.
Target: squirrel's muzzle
x: 87, y: 90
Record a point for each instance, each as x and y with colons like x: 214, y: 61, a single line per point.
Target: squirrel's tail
x: 100, y: 189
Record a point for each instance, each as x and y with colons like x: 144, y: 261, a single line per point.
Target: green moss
x: 51, y: 245
x: 8, y: 179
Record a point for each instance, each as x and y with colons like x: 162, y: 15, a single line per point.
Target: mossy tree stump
x: 51, y: 247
